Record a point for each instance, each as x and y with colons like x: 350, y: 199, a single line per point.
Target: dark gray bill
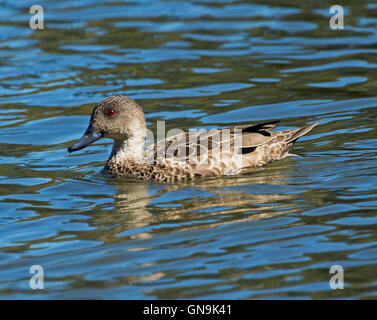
x: 89, y: 136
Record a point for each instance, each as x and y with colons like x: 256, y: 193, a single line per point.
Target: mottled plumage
x: 186, y: 155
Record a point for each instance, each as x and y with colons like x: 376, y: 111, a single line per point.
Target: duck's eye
x: 110, y: 112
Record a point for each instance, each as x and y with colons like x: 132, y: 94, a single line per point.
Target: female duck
x: 186, y: 155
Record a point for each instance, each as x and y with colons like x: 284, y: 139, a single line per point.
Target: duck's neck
x: 130, y: 149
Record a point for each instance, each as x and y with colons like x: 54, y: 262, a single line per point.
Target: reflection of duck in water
x: 186, y: 155
x: 141, y: 208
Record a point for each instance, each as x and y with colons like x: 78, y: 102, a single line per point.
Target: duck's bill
x: 89, y: 137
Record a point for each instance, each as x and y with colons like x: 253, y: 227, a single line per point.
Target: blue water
x: 273, y: 233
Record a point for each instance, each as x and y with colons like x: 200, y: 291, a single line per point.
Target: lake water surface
x: 273, y: 233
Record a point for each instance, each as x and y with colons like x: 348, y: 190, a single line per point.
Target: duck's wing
x: 252, y: 135
x: 263, y: 128
x: 203, y: 144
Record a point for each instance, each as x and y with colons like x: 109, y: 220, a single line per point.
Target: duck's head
x: 117, y: 117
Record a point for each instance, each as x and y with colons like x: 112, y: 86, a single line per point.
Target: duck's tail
x: 300, y: 132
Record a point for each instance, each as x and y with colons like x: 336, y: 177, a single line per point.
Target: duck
x: 186, y: 155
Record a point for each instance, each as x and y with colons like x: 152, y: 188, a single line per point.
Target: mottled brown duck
x: 185, y: 155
